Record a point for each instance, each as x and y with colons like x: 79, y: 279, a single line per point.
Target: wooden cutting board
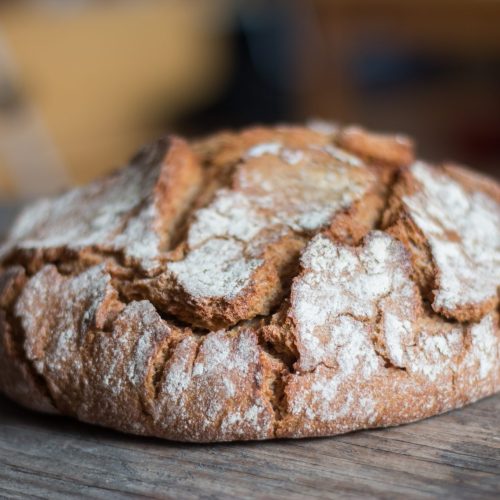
x: 452, y: 456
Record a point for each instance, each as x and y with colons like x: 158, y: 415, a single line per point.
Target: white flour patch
x: 218, y: 268
x: 219, y: 386
x: 342, y: 156
x: 339, y: 291
x: 100, y: 214
x: 301, y: 191
x: 57, y: 314
x: 265, y: 148
x: 463, y: 231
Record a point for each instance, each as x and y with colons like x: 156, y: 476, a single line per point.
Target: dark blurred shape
x: 261, y: 87
x: 376, y: 65
x: 10, y: 96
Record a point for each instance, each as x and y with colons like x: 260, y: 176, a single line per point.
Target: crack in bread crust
x: 453, y: 237
x: 278, y: 282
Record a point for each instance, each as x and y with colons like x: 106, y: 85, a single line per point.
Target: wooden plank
x: 456, y: 455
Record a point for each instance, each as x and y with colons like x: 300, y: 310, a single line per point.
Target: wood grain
x: 456, y: 455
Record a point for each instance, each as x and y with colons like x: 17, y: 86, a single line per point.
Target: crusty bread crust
x: 277, y: 282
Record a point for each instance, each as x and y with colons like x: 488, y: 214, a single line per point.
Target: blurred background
x: 83, y: 83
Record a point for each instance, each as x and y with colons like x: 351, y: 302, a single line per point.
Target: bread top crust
x: 276, y: 281
x: 459, y: 225
x: 238, y: 246
x: 132, y: 212
x: 344, y: 297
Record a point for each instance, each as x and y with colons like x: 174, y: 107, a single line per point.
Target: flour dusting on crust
x: 336, y: 300
x: 57, y: 315
x: 121, y: 372
x: 354, y: 310
x: 463, y: 232
x: 239, y: 289
x: 220, y: 384
x: 278, y: 190
x: 218, y: 268
x: 95, y: 215
x: 129, y: 212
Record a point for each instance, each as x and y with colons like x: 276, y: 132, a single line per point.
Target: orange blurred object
x: 90, y: 81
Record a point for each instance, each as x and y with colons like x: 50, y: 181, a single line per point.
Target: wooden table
x: 451, y: 456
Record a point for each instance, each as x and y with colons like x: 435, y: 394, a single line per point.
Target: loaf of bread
x: 276, y: 282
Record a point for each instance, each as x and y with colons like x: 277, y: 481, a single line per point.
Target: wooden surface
x: 451, y: 456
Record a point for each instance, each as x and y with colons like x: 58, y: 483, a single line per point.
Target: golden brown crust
x: 385, y: 149
x: 278, y: 282
x: 451, y: 231
x: 17, y: 378
x: 472, y: 181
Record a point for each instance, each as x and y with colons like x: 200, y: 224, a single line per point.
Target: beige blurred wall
x: 94, y: 79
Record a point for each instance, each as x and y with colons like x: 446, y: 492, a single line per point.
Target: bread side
x: 278, y: 282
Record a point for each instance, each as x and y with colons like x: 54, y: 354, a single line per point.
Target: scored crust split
x: 277, y: 282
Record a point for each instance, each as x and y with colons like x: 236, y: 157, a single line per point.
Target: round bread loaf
x: 277, y: 282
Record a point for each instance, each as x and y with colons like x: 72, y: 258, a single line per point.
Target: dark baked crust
x: 278, y: 282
